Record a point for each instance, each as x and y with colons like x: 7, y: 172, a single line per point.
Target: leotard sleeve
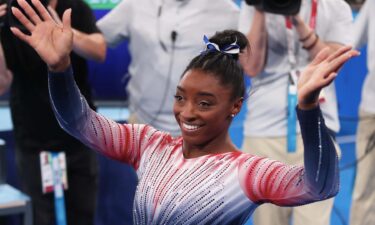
x: 266, y: 180
x: 123, y: 142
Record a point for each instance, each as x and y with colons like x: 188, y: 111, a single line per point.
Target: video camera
x: 10, y: 20
x: 283, y: 7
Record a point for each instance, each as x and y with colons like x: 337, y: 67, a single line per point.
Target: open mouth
x: 190, y: 127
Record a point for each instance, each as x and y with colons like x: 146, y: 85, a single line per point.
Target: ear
x: 237, y: 105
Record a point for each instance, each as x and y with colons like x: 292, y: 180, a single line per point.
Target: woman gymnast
x: 200, y: 177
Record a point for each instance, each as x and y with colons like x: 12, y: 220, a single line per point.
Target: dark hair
x: 224, y: 66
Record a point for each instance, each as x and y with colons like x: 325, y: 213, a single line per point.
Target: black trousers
x: 80, y: 198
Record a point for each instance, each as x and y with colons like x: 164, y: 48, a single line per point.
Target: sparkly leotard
x: 212, y: 189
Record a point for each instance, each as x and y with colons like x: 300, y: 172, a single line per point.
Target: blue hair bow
x: 233, y: 48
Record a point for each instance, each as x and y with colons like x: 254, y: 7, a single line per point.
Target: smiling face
x: 203, y: 109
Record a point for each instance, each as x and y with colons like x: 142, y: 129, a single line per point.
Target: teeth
x: 190, y: 127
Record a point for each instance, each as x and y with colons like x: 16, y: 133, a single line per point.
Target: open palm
x: 51, y: 40
x: 320, y: 73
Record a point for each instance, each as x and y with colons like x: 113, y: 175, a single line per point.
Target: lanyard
x: 293, y: 77
x: 314, y: 11
x: 60, y: 214
x: 54, y: 178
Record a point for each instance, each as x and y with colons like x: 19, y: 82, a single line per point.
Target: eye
x: 204, y: 104
x: 178, y: 98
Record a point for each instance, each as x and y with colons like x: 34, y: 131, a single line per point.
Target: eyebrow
x: 201, y: 93
x: 180, y: 88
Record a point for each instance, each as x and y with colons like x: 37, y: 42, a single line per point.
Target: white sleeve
x: 115, y: 24
x: 360, y: 33
x: 340, y: 22
x: 246, y: 18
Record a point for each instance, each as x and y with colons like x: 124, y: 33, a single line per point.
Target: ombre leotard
x: 220, y: 188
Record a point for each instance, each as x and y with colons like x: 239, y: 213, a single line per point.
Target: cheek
x: 218, y: 117
x: 176, y: 109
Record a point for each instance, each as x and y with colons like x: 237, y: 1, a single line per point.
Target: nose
x: 188, y: 111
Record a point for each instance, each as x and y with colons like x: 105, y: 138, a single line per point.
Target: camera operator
x: 282, y: 44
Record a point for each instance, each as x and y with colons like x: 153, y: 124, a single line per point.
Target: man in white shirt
x: 280, y: 47
x: 363, y: 198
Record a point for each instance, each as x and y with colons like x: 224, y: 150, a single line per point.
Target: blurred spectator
x: 281, y: 47
x: 363, y: 198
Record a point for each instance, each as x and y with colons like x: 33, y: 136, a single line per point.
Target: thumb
x: 66, y: 19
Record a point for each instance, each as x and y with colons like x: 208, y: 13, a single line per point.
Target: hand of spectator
x: 52, y: 41
x: 3, y: 9
x: 320, y: 73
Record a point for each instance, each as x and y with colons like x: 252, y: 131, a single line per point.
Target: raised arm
x: 54, y: 42
x: 334, y: 37
x: 253, y: 24
x: 310, y: 40
x: 266, y: 180
x: 51, y: 40
x: 91, y: 46
x: 126, y: 143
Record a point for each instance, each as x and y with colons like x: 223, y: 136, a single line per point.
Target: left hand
x: 320, y: 73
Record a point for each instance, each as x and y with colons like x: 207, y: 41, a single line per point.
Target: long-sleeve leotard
x: 213, y: 189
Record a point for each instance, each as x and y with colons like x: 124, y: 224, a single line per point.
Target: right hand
x: 52, y: 41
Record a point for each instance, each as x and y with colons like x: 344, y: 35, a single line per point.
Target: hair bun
x: 226, y: 38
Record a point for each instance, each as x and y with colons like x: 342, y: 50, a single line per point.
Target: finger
x: 29, y: 11
x: 23, y: 19
x: 321, y: 83
x: 67, y: 19
x: 321, y: 56
x: 328, y: 80
x: 339, y: 52
x: 20, y: 35
x: 43, y: 12
x: 337, y: 63
x: 54, y: 15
